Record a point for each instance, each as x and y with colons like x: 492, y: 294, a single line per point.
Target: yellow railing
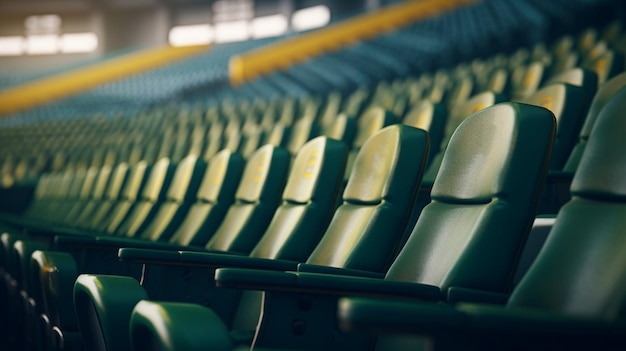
x: 288, y: 52
x: 49, y: 89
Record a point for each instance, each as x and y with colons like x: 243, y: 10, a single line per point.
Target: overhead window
x: 43, y: 36
x: 42, y: 24
x: 42, y: 44
x: 268, y: 26
x: 227, y: 32
x: 199, y: 34
x: 74, y: 43
x: 310, y: 18
x: 11, y: 46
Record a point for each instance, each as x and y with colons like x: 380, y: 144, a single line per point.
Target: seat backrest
x: 251, y: 140
x: 377, y: 201
x: 213, y: 140
x: 120, y: 178
x: 116, y: 183
x: 455, y: 117
x: 153, y: 193
x: 603, y: 95
x: 88, y: 183
x: 75, y: 185
x: 580, y: 77
x: 302, y: 131
x: 158, y: 181
x: 101, y: 182
x: 330, y: 109
x: 137, y: 179
x: 88, y: 187
x: 308, y: 201
x: 342, y: 128
x: 499, y: 81
x: 180, y: 196
x: 430, y: 117
x: 607, y: 65
x: 278, y: 135
x: 461, y: 90
x: 530, y: 82
x: 566, y: 102
x: 215, y: 195
x: 371, y: 121
x: 256, y: 199
x: 581, y: 269
x: 483, y: 201
x: 186, y: 180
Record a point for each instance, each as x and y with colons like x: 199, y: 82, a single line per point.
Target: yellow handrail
x: 285, y: 53
x: 49, y: 89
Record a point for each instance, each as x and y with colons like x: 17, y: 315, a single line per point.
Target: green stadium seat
x: 153, y: 195
x: 567, y: 103
x: 371, y: 121
x: 607, y: 65
x: 571, y: 298
x: 581, y: 77
x: 531, y: 80
x: 358, y: 238
x: 298, y: 223
x: 263, y: 178
x: 455, y: 117
x: 557, y: 188
x: 215, y: 195
x: 429, y: 256
x: 600, y: 99
x: 138, y: 179
x: 83, y: 209
x: 431, y: 118
x: 342, y: 128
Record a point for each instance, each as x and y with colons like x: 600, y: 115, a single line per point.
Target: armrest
x: 103, y: 242
x: 217, y: 260
x: 477, y: 323
x: 137, y: 255
x: 458, y: 294
x: 203, y: 259
x: 313, y: 268
x: 326, y: 284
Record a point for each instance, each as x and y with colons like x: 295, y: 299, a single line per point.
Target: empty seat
x: 454, y: 119
x: 180, y: 195
x: 373, y: 119
x: 431, y: 118
x: 152, y: 196
x: 263, y: 178
x: 571, y: 298
x: 581, y: 77
x: 366, y: 227
x: 488, y: 186
x: 215, y: 195
x: 567, y: 102
x: 604, y: 94
x: 299, y: 221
